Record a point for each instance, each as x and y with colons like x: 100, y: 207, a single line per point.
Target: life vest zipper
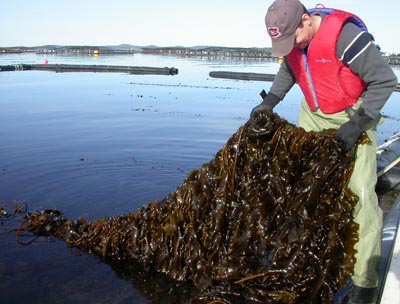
x: 310, y: 81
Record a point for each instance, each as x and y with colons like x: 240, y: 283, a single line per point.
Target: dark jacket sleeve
x: 358, y: 50
x: 283, y: 81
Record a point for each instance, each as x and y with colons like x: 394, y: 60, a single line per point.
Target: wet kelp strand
x: 268, y: 220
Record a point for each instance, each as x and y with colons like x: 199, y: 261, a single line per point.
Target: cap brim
x: 283, y: 47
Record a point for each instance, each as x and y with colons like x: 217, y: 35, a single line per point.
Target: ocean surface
x: 101, y: 144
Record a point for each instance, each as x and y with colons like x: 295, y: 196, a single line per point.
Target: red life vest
x: 327, y: 83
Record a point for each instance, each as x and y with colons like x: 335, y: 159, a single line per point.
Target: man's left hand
x: 349, y: 132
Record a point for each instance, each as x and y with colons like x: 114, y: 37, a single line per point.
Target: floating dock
x: 253, y: 76
x: 242, y: 76
x: 90, y: 68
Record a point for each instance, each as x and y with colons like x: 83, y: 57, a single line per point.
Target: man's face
x: 304, y: 33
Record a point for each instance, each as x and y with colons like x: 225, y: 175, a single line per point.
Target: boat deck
x: 390, y: 260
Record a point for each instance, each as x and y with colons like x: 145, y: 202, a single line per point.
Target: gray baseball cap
x: 282, y: 19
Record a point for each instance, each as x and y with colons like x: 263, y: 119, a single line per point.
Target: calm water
x: 101, y: 144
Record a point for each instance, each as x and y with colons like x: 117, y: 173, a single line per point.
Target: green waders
x: 362, y: 182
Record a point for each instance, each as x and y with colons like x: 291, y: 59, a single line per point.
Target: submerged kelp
x: 267, y: 220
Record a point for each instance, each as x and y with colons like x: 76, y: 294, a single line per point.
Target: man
x: 346, y: 82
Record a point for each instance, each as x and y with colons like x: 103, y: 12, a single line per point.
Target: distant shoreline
x: 126, y: 49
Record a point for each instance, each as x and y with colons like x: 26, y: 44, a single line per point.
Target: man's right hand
x: 262, y: 107
x: 269, y: 102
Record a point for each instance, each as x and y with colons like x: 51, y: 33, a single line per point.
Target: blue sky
x: 169, y: 22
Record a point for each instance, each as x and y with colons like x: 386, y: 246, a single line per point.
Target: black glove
x: 349, y: 132
x: 269, y: 102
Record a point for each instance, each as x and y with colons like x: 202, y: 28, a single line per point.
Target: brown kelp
x: 268, y: 220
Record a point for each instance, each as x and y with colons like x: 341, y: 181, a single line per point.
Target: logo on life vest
x: 274, y: 32
x: 323, y: 60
